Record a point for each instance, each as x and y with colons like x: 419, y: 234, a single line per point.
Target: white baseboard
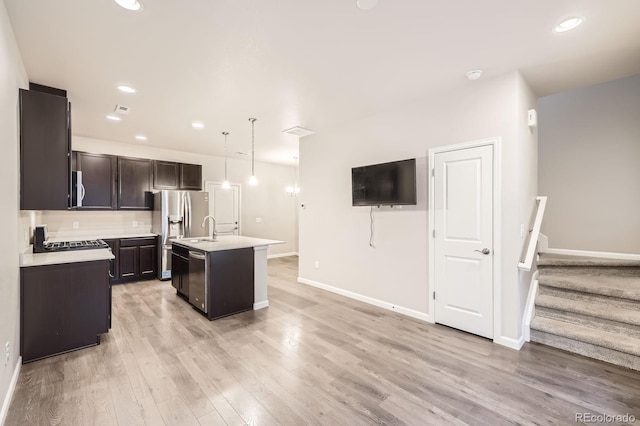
x: 509, y: 342
x: 274, y: 256
x: 261, y: 305
x: 530, y: 307
x: 366, y: 299
x: 9, y: 395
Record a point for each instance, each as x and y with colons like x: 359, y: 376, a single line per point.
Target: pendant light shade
x: 253, y: 180
x: 225, y: 184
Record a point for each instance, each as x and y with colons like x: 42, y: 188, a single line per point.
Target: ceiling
x: 315, y: 64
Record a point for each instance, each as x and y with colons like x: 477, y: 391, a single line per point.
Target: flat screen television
x: 384, y: 184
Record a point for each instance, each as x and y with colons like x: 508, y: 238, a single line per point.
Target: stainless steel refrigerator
x: 177, y: 214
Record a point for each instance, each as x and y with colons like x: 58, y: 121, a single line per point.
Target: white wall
x: 268, y: 200
x: 527, y: 178
x: 12, y: 77
x: 337, y: 234
x: 590, y: 167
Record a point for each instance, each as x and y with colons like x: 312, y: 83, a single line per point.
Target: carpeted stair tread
x: 613, y: 286
x: 587, y: 349
x: 621, y: 328
x: 590, y: 308
x: 549, y: 259
x: 588, y: 297
x: 614, y: 341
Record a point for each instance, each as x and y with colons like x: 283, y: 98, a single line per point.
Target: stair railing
x: 534, y: 234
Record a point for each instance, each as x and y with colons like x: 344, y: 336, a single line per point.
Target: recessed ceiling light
x: 126, y: 89
x: 141, y: 137
x: 130, y: 4
x: 113, y: 117
x: 474, y: 74
x: 568, y: 24
x: 366, y: 4
x: 197, y: 125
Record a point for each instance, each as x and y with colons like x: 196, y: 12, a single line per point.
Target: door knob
x: 484, y: 251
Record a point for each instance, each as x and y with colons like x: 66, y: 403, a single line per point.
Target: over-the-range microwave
x: 77, y: 189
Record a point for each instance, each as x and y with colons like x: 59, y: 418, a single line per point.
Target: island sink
x: 202, y: 240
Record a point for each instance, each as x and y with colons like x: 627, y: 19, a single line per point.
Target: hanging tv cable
x: 372, y: 228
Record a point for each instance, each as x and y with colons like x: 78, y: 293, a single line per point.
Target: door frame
x: 497, y: 232
x: 239, y: 200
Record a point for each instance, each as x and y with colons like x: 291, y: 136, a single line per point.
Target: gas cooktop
x: 74, y: 245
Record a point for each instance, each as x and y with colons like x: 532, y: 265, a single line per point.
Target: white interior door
x: 224, y: 206
x: 463, y: 213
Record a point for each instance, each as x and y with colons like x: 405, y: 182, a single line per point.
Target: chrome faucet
x: 213, y: 230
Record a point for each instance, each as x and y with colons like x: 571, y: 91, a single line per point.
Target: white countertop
x: 226, y: 242
x: 29, y: 258
x: 105, y: 235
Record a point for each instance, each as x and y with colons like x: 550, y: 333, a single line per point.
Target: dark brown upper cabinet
x: 45, y: 150
x: 191, y: 176
x: 166, y: 175
x: 98, y: 179
x: 134, y: 184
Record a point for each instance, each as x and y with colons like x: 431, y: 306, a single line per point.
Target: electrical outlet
x: 76, y: 225
x: 258, y: 220
x: 135, y: 223
x: 317, y: 264
x: 7, y: 353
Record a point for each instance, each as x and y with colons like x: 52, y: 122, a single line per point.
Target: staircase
x: 589, y: 306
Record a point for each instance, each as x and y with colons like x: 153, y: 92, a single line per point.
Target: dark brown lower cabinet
x: 180, y: 270
x: 231, y: 282
x: 136, y: 259
x: 63, y: 307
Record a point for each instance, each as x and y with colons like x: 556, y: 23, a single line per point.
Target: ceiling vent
x: 121, y: 109
x: 298, y: 131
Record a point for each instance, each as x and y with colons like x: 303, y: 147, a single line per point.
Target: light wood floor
x: 312, y: 357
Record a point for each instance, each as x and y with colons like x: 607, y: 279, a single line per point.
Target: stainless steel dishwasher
x: 198, y: 281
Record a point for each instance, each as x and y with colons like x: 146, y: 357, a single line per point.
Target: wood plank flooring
x: 312, y: 357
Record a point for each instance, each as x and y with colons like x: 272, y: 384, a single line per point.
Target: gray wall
x: 12, y: 77
x: 336, y: 234
x: 589, y: 167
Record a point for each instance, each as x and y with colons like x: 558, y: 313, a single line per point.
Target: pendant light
x: 253, y: 180
x: 225, y: 184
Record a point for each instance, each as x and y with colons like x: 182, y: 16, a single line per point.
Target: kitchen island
x: 222, y: 277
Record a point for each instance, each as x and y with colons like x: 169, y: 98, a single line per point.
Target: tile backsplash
x: 86, y: 224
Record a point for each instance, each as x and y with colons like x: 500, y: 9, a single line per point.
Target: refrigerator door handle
x: 185, y: 226
x: 189, y: 224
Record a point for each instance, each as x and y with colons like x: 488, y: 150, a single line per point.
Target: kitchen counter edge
x: 28, y: 258
x: 226, y: 243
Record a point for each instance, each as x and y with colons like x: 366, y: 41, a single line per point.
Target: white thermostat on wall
x: 532, y: 118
